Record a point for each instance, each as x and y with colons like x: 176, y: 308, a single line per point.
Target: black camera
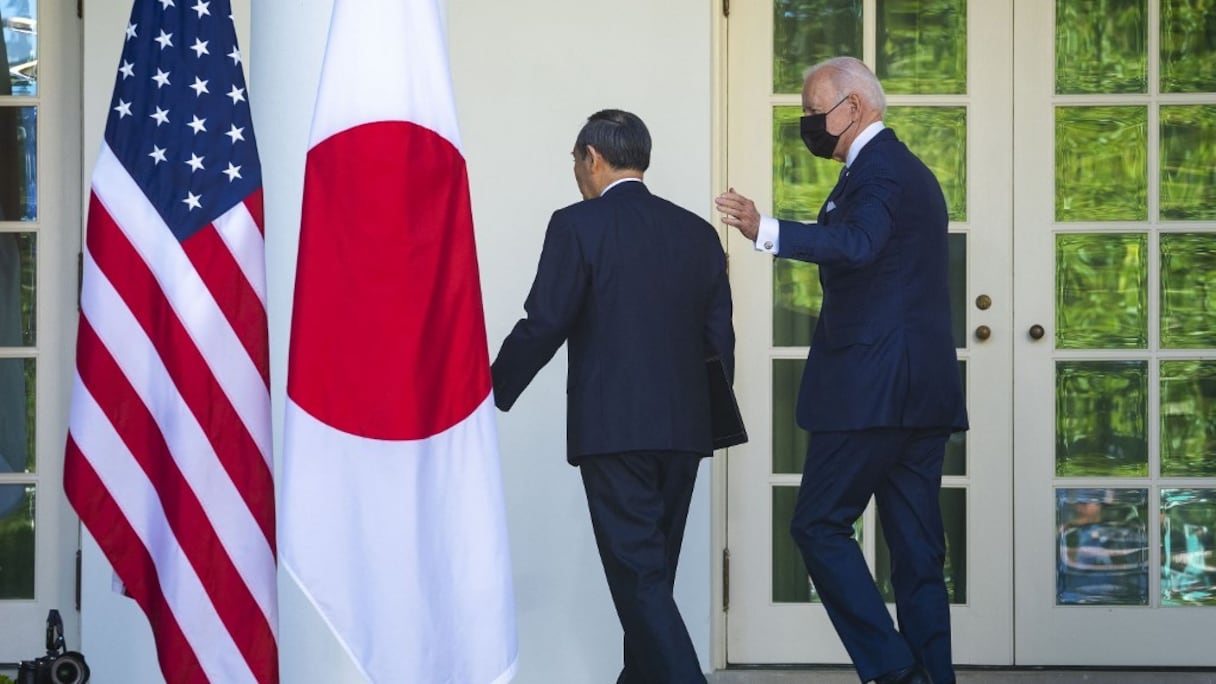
x: 59, y: 665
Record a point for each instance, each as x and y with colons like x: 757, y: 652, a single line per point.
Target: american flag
x: 168, y: 457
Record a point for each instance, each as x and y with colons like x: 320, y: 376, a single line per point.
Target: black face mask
x: 815, y: 136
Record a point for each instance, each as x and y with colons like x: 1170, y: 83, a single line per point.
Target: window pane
x: 797, y: 300
x: 16, y: 541
x: 789, y: 440
x: 16, y: 415
x: 1102, y: 547
x: 1102, y: 291
x: 954, y: 519
x: 1188, y: 157
x: 957, y: 244
x: 1188, y: 46
x: 809, y: 31
x: 790, y: 581
x: 938, y: 135
x: 1188, y: 418
x: 19, y: 49
x: 1188, y: 547
x: 1188, y: 290
x: 1101, y: 418
x: 791, y: 584
x: 1101, y: 163
x: 922, y: 46
x: 1101, y: 46
x: 17, y: 315
x: 18, y: 164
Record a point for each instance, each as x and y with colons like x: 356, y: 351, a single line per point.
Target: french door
x: 1077, y: 163
x: 39, y: 239
x: 946, y: 67
x: 1115, y: 398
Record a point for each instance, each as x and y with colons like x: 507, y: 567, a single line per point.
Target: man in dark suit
x: 637, y: 288
x: 881, y: 391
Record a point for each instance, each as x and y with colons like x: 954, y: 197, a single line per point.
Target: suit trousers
x: 902, y: 470
x: 639, y: 505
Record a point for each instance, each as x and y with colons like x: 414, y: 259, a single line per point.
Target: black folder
x: 727, y: 422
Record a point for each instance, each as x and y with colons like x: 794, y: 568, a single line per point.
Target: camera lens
x: 69, y: 668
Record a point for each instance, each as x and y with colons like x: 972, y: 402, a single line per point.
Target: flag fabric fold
x: 392, y: 518
x: 168, y: 459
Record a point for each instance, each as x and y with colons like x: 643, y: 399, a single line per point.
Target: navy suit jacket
x: 882, y: 354
x: 637, y: 288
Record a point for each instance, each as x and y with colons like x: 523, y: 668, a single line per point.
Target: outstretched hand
x: 739, y: 212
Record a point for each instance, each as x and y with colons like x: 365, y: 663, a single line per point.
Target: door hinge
x: 80, y: 9
x: 725, y: 580
x: 726, y: 8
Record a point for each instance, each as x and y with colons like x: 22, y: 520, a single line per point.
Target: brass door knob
x: 1036, y: 332
x: 983, y: 332
x: 983, y: 302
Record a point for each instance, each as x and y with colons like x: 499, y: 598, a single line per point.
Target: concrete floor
x: 975, y: 676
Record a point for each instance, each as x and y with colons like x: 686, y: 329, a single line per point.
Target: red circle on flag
x: 388, y: 333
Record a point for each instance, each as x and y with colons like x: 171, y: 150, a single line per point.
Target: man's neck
x: 620, y: 178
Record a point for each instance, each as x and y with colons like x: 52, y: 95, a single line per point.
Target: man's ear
x: 593, y: 157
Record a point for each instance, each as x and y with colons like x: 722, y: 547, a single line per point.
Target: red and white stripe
x: 169, y: 448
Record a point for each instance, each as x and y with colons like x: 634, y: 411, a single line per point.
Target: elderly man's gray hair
x: 850, y: 75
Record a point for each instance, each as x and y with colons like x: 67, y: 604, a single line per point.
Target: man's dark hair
x: 620, y: 137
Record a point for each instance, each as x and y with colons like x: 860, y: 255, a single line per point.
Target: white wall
x: 527, y: 73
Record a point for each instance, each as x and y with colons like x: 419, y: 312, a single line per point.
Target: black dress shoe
x: 909, y: 675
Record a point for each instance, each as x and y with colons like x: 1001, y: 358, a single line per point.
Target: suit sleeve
x: 719, y: 329
x: 858, y: 237
x: 551, y: 308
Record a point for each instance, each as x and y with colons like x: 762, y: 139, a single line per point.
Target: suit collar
x: 884, y: 136
x: 863, y: 138
x: 625, y: 186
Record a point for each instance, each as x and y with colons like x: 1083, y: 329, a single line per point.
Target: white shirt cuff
x: 768, y: 235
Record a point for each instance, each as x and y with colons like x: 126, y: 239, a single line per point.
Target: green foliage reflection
x: 938, y: 135
x: 1101, y: 163
x: 809, y: 31
x: 1188, y: 46
x: 1188, y: 162
x: 1188, y: 418
x: 1101, y: 291
x: 1101, y: 418
x: 922, y: 46
x: 1188, y: 290
x: 797, y: 299
x: 1101, y: 46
